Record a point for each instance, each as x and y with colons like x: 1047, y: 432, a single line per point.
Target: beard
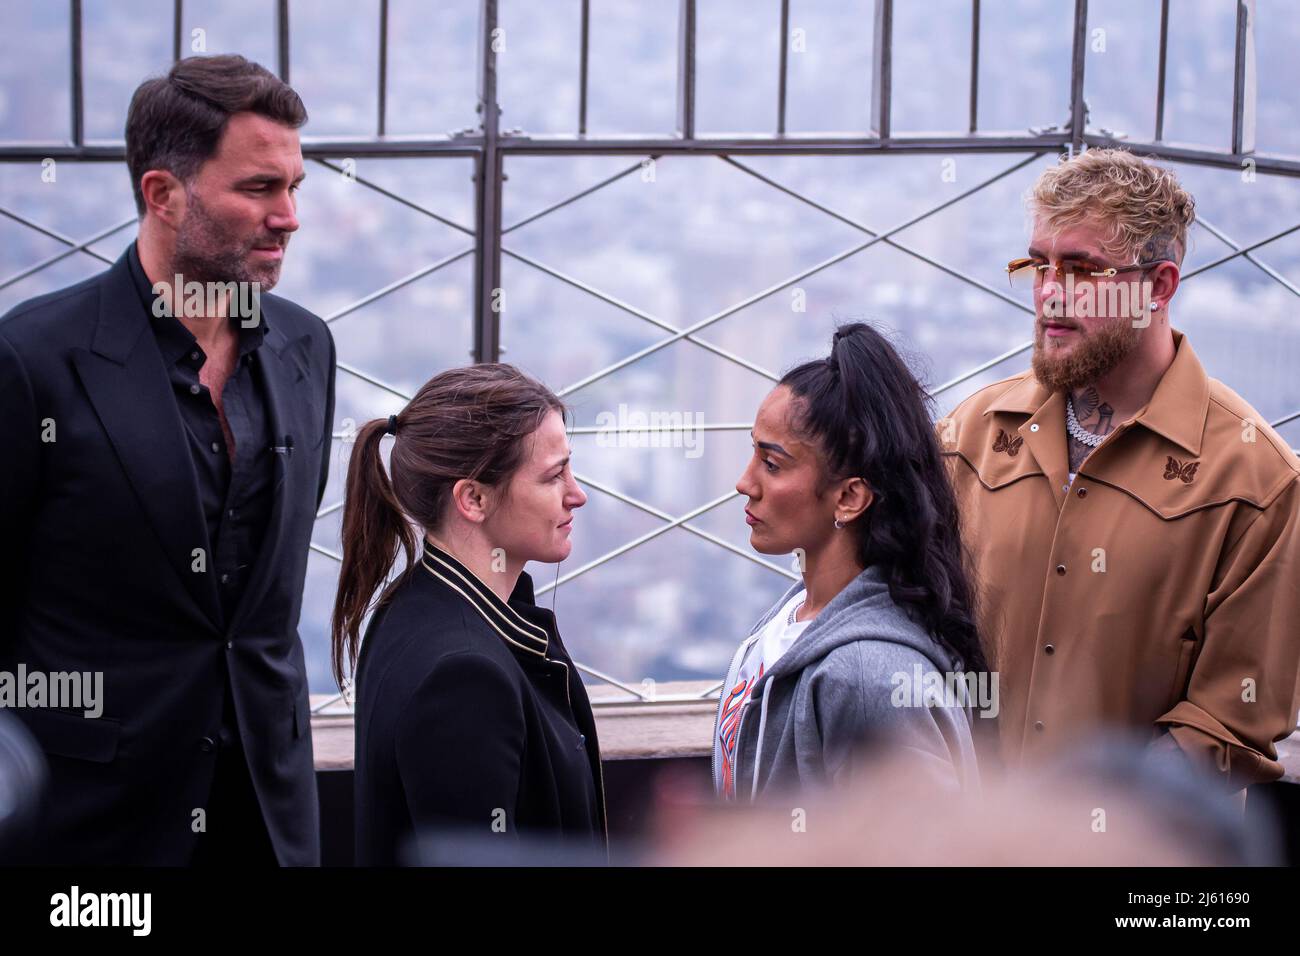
x: 208, y: 252
x: 1093, y: 356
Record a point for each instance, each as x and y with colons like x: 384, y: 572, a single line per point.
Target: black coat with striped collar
x: 475, y: 740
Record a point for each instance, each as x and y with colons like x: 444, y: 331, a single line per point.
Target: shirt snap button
x: 1049, y: 649
x: 1083, y: 492
x: 1060, y: 569
x: 1038, y: 725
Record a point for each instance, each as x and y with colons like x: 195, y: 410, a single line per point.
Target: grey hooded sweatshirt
x: 840, y: 689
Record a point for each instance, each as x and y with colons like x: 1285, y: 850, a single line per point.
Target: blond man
x: 1133, y: 522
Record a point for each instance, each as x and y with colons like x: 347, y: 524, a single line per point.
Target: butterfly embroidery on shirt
x: 1004, y: 442
x: 1177, y: 469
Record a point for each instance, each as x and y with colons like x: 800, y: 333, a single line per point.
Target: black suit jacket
x: 100, y: 571
x: 473, y: 727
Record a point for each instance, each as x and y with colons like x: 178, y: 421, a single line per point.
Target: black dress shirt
x: 235, y: 495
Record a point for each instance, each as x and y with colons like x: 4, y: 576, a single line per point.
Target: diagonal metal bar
x: 1241, y: 251
x: 576, y: 196
x: 321, y: 707
x: 46, y: 230
x: 791, y: 280
x: 321, y: 549
x: 633, y: 310
x: 366, y: 377
x: 712, y: 689
x: 389, y: 194
x: 330, y: 509
x: 982, y: 367
x: 1285, y: 419
x: 601, y: 675
x: 1232, y: 243
x: 862, y: 227
x: 687, y: 526
x: 73, y: 249
x: 638, y: 541
x: 398, y: 284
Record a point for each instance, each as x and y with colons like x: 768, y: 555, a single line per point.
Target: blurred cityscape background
x: 680, y: 240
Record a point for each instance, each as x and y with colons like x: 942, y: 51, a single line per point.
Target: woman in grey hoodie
x: 875, y: 652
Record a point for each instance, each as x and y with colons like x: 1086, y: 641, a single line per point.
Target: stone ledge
x: 671, y: 726
x: 628, y: 729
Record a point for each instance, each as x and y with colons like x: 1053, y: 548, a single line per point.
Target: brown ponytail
x: 464, y: 423
x: 373, y: 528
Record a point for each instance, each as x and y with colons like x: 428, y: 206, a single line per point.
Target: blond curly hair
x: 1142, y: 209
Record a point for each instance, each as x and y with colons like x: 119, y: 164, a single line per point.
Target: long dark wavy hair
x: 870, y: 418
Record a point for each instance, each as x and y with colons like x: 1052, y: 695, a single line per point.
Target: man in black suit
x: 166, y: 433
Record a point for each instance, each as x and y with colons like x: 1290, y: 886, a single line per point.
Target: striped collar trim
x: 505, y: 620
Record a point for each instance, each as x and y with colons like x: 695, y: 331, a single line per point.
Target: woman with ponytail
x: 875, y: 651
x: 471, y: 720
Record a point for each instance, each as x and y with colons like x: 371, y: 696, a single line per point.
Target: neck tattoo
x: 1088, y: 421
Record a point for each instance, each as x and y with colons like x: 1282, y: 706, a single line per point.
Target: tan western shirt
x: 1160, y: 592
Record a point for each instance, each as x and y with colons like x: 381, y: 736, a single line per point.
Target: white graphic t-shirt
x: 773, y: 641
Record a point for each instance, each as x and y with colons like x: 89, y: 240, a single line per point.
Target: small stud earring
x: 1154, y: 306
x: 839, y: 523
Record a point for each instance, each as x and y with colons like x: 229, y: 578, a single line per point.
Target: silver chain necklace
x: 1076, y: 430
x: 793, y: 611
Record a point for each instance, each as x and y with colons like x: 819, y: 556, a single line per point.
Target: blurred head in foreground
x: 1109, y: 804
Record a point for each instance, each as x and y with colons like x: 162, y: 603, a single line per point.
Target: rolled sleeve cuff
x: 1212, y: 746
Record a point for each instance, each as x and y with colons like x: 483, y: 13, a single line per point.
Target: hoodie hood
x: 831, y: 690
x: 862, y: 611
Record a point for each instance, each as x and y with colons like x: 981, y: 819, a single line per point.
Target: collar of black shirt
x: 175, y: 341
